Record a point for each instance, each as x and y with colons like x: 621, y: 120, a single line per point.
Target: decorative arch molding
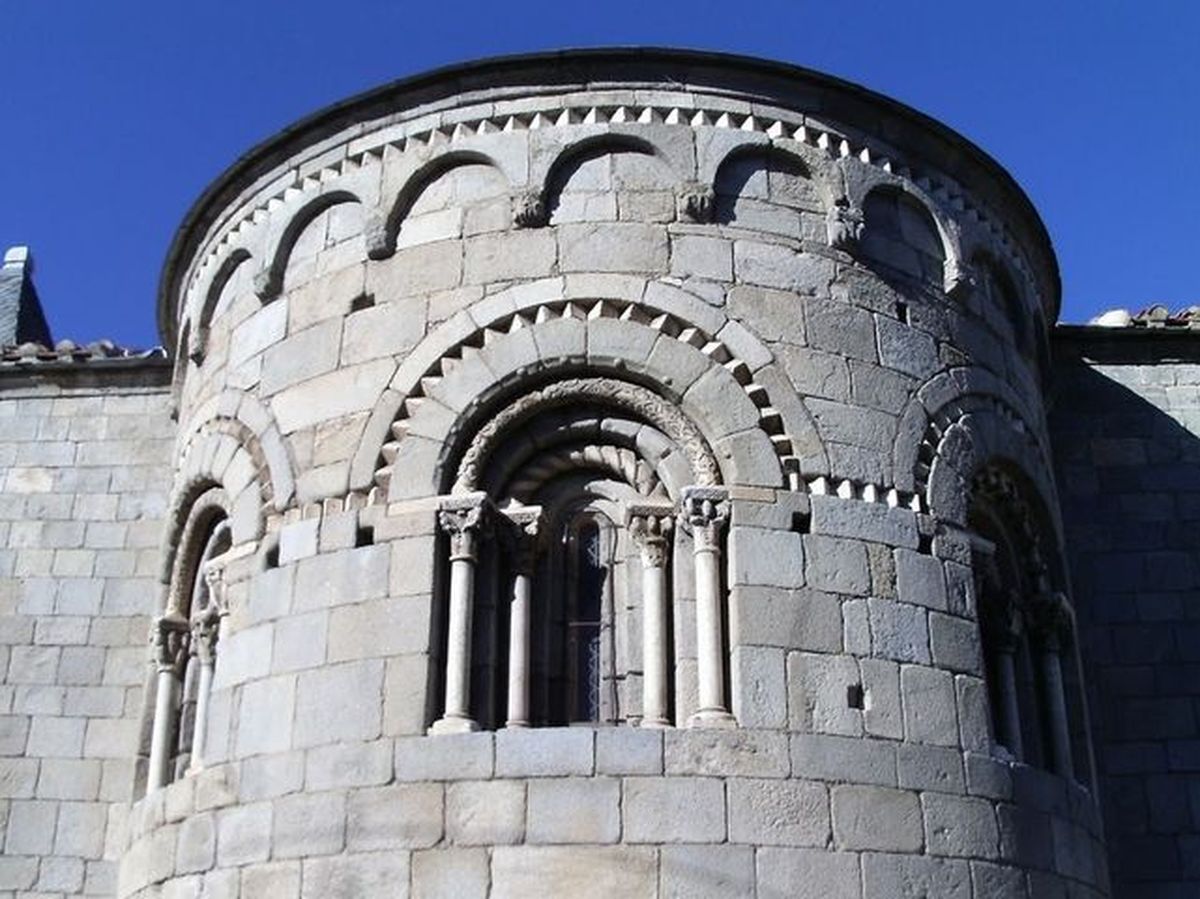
x: 201, y: 502
x: 609, y: 333
x: 268, y: 282
x: 640, y: 401
x: 861, y: 181
x: 197, y: 343
x: 818, y: 166
x: 383, y: 224
x: 257, y: 431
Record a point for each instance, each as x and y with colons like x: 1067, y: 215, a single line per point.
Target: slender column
x: 650, y: 526
x: 1052, y: 620
x: 462, y: 518
x: 171, y: 653
x: 1004, y: 628
x: 704, y: 509
x: 524, y: 533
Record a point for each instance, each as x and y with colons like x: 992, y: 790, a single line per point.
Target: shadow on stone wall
x: 1127, y: 450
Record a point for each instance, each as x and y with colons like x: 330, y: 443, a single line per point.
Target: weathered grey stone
x: 276, y: 881
x: 627, y: 750
x: 930, y: 709
x: 339, y: 702
x: 485, y: 813
x: 960, y: 826
x: 573, y: 810
x: 450, y: 874
x: 244, y: 834
x: 898, y: 631
x: 778, y: 813
x: 539, y: 752
x: 586, y: 872
x: 402, y: 816
x: 706, y: 872
x: 444, y: 757
x: 354, y: 876
x: 843, y: 759
x: 673, y: 810
x: 808, y: 873
x: 920, y: 579
x: 879, y: 818
x: 309, y: 825
x: 736, y: 753
x: 915, y: 877
x: 197, y: 847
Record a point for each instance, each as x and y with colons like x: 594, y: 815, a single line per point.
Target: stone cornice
x: 742, y: 89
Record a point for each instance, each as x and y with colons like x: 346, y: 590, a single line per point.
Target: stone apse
x: 613, y: 473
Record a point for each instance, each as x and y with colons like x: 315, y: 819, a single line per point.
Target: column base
x: 712, y: 718
x: 516, y: 725
x: 453, y: 724
x: 655, y: 723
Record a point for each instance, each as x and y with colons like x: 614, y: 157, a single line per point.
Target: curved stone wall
x: 714, y: 275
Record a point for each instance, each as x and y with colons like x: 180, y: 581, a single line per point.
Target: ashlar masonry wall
x: 1126, y: 430
x: 84, y: 471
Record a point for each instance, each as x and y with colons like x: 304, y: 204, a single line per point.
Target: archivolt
x: 632, y: 398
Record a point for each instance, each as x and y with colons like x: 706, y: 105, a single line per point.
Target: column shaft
x: 518, y: 651
x: 1010, y: 709
x: 704, y: 509
x: 1056, y: 705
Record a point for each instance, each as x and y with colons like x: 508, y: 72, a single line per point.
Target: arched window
x: 186, y: 637
x: 568, y: 580
x: 1026, y: 629
x: 901, y: 236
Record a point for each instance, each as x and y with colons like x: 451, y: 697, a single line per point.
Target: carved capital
x: 1003, y: 617
x: 214, y: 581
x: 464, y: 519
x: 960, y: 279
x: 524, y: 535
x: 650, y: 525
x: 697, y: 202
x: 529, y: 210
x: 844, y: 226
x: 205, y: 630
x: 266, y: 285
x: 375, y: 233
x: 706, y: 510
x: 1049, y: 619
x: 171, y: 632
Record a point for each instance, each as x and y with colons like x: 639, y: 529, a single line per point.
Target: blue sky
x: 115, y: 115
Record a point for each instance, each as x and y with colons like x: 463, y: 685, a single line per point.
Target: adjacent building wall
x: 1126, y: 430
x: 84, y: 472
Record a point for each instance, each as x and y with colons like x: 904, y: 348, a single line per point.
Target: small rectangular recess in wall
x: 925, y: 544
x: 902, y: 311
x: 364, y: 536
x: 855, y: 696
x: 362, y: 301
x: 801, y: 522
x: 271, y: 556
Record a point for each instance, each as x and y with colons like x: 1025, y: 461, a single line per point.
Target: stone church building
x: 626, y: 473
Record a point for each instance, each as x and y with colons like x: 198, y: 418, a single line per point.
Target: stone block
x: 60, y: 875
x: 809, y: 874
x: 307, y: 825
x: 915, y: 877
x: 81, y: 829
x: 857, y: 520
x: 244, y: 834
x: 339, y: 703
x: 298, y: 540
x: 300, y: 642
x: 905, y: 349
x: 403, y: 816
x: 883, y: 714
x: 960, y: 826
x: 69, y: 779
x: 265, y: 716
x: 920, y: 580
x: 837, y: 565
x: 706, y: 872
x: 819, y: 688
x: 799, y: 619
x: 930, y: 768
x: 381, y: 627
x: 56, y: 737
x: 759, y: 686
x: 954, y: 643
x: 350, y: 575
x: 674, y: 810
x: 573, y: 810
x: 545, y: 752
x: 778, y: 813
x: 444, y: 757
x: 30, y: 828
x: 696, y: 256
x: 618, y: 247
x: 840, y: 759
x: 197, y: 846
x: 898, y: 631
x: 629, y: 750
x: 930, y: 709
x: 509, y: 256
x: 405, y: 695
x: 591, y: 872
x: 276, y: 881
x: 355, y: 876
x: 348, y: 765
x: 877, y: 818
x: 726, y: 753
x: 451, y: 874
x: 267, y: 777
x: 485, y: 813
x: 765, y: 557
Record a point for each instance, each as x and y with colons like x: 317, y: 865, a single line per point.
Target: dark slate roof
x: 68, y: 352
x: 21, y: 317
